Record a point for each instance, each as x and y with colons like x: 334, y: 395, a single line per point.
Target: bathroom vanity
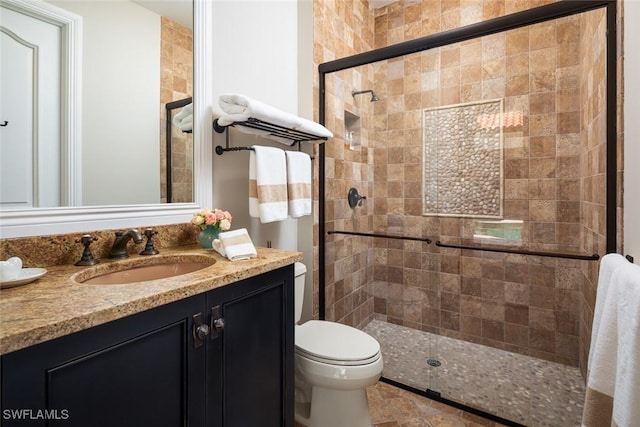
x: 220, y: 353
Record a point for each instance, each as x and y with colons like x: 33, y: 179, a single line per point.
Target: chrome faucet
x: 119, y: 248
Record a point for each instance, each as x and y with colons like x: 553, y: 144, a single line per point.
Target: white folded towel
x: 184, y: 119
x: 298, y: 183
x: 236, y: 245
x: 267, y: 184
x: 613, y: 370
x: 239, y: 108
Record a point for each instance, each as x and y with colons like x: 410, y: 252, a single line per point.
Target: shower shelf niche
x: 351, y: 130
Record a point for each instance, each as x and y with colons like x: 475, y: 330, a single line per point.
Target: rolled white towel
x: 186, y: 125
x: 239, y: 108
x: 184, y: 119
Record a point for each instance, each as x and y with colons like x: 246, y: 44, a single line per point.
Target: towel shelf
x: 220, y: 150
x: 295, y: 136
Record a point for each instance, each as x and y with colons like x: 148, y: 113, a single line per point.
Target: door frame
x: 70, y: 92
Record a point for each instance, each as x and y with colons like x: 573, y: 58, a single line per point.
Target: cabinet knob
x: 218, y: 324
x: 202, y: 331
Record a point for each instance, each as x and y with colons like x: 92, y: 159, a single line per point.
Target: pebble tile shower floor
x: 519, y: 388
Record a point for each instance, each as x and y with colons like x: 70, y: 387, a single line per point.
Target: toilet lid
x: 336, y: 343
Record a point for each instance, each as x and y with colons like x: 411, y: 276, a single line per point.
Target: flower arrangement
x: 216, y: 218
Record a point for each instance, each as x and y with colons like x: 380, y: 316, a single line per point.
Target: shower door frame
x: 524, y: 18
x: 548, y: 12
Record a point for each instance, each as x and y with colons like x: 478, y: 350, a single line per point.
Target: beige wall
x: 629, y: 101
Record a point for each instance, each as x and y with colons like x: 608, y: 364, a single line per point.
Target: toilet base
x: 335, y: 408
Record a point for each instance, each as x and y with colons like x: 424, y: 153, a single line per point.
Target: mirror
x: 108, y: 214
x: 134, y: 57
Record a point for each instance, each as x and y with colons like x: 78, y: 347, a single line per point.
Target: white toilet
x: 334, y: 364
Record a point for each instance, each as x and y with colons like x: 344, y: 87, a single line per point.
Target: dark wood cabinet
x: 148, y: 369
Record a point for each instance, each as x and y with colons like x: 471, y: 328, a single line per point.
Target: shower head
x: 374, y: 97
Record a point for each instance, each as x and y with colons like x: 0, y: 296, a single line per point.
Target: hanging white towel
x: 298, y: 183
x: 254, y: 209
x: 184, y: 119
x: 613, y: 374
x: 239, y: 108
x: 267, y: 184
x: 236, y: 245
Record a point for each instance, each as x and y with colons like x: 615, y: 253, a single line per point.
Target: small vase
x: 207, y: 236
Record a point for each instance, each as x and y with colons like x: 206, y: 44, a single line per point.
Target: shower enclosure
x: 488, y: 165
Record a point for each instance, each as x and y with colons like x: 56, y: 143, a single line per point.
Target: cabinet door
x: 138, y: 371
x: 251, y: 363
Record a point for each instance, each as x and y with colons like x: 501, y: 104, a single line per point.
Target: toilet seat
x: 335, y: 344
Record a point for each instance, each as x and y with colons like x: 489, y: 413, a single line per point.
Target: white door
x: 30, y: 103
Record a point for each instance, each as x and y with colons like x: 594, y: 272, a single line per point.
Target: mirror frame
x: 46, y: 221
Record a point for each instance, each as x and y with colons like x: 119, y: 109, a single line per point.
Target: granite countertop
x: 56, y: 305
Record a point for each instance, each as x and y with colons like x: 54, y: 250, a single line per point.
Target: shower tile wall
x: 349, y: 260
x: 541, y: 307
x: 592, y: 161
x: 176, y: 83
x: 343, y: 29
x: 529, y: 305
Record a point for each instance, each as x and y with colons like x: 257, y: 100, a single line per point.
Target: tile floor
x: 393, y: 407
x: 520, y: 388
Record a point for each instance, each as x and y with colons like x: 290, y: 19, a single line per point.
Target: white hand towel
x: 184, y: 119
x: 613, y: 377
x: 267, y: 184
x: 626, y: 398
x: 298, y: 183
x: 254, y: 210
x: 236, y: 245
x: 239, y: 108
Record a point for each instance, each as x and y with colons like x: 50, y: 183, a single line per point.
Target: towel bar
x: 220, y: 149
x: 593, y: 257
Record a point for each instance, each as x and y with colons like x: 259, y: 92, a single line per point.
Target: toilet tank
x: 298, y: 291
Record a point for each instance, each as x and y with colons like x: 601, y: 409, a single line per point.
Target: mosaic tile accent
x: 520, y: 388
x: 462, y: 168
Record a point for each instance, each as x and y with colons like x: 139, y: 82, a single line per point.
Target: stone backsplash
x: 61, y: 249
